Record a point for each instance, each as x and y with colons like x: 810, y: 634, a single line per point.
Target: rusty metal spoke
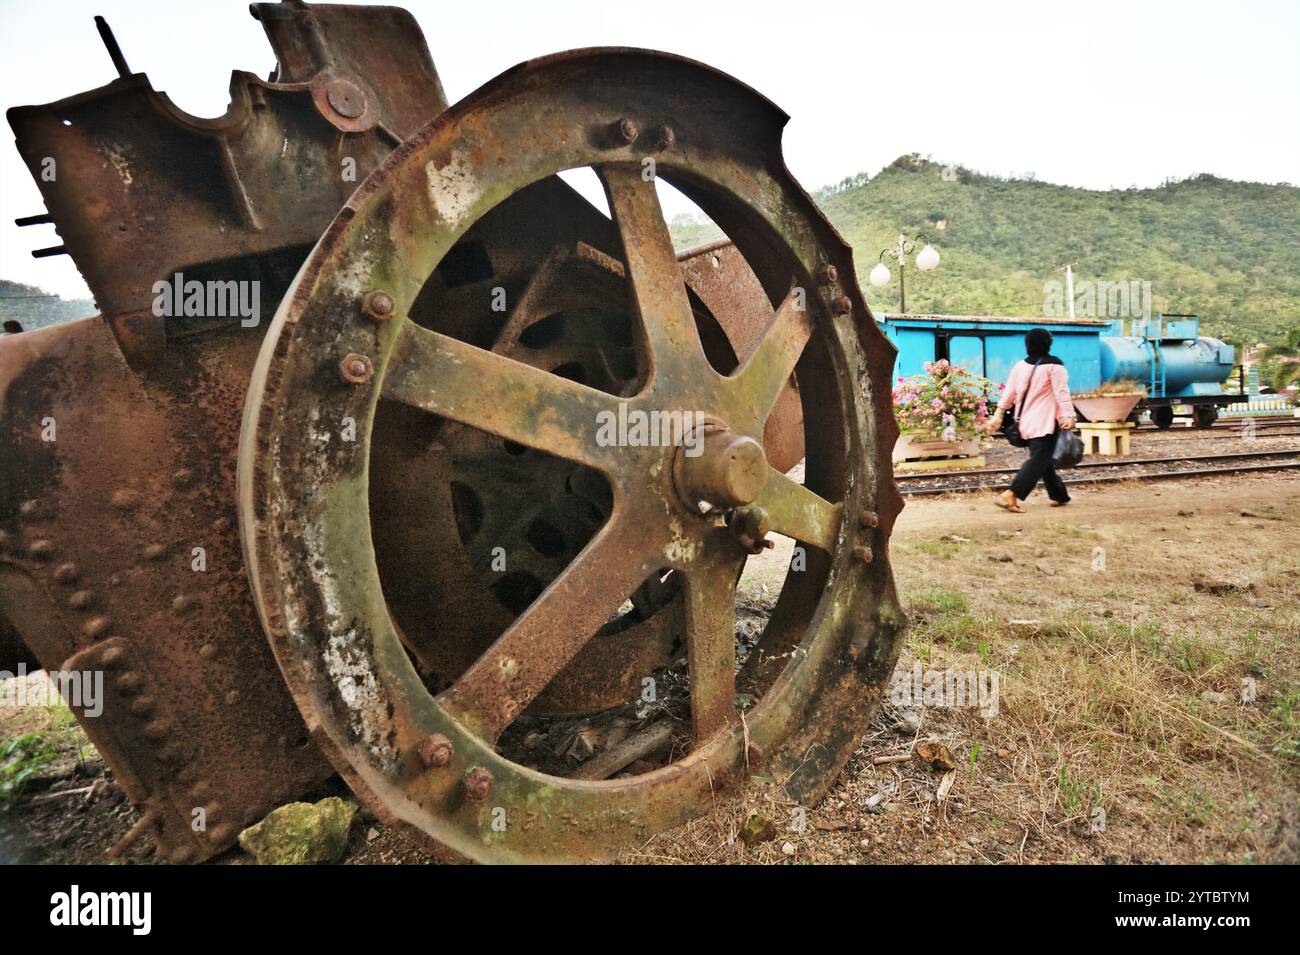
x: 767, y: 368
x: 493, y: 393
x: 542, y: 640
x: 797, y: 512
x: 658, y: 288
x: 711, y: 641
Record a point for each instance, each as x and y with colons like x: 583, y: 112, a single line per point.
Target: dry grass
x: 1103, y: 669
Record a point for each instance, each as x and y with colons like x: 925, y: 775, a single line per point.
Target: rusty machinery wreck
x: 278, y: 542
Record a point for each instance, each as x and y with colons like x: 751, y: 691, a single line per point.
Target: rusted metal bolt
x: 863, y: 554
x: 378, y: 305
x: 478, y: 784
x: 751, y: 525
x: 869, y: 519
x: 626, y: 132
x: 356, y: 369
x: 842, y: 305
x: 827, y: 274
x: 437, y: 751
x: 40, y: 549
x: 129, y: 683
x: 664, y: 137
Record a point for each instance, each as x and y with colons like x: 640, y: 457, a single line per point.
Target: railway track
x: 1284, y: 427
x: 1104, y: 472
x: 1233, y: 434
x: 1229, y: 424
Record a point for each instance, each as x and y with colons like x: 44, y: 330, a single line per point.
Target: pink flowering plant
x: 948, y: 402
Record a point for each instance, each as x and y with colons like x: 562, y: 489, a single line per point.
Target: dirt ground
x: 1125, y: 629
x: 1147, y: 709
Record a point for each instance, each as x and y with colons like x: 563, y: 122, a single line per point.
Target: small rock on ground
x: 301, y: 833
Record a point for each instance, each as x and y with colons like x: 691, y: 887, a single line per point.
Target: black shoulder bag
x: 1011, y: 426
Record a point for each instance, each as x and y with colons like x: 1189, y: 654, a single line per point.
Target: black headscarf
x: 1038, y: 346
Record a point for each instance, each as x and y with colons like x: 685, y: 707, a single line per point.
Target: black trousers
x: 1038, y: 466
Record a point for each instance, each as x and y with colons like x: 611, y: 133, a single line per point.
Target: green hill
x: 36, y: 308
x: 1228, y: 251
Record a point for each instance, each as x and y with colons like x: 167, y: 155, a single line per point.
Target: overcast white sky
x: 1098, y: 94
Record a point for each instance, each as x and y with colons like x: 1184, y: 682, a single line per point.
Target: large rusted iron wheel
x: 343, y: 343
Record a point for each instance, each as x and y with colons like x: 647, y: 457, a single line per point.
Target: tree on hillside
x: 1282, y: 361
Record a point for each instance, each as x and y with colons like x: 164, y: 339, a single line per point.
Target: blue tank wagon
x: 1167, y: 354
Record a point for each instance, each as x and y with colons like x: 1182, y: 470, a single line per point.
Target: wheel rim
x: 834, y: 634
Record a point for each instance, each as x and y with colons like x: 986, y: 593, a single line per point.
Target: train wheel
x: 1205, y: 415
x: 440, y: 760
x: 1162, y: 416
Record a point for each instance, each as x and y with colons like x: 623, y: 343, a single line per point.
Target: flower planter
x: 916, y: 447
x: 945, y: 401
x: 1107, y: 407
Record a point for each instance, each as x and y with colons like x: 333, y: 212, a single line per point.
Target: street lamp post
x: 1068, y: 269
x: 926, y: 259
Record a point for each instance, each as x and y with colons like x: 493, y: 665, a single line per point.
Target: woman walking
x: 1038, y: 388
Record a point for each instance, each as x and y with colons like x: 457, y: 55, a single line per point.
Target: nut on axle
x: 751, y: 525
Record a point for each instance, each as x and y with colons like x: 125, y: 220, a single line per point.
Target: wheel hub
x: 716, y: 468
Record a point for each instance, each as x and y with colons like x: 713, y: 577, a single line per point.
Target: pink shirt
x: 1048, y: 401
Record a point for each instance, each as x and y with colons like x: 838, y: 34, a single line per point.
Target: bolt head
x: 751, y: 525
x: 842, y: 305
x: 665, y: 137
x: 129, y: 683
x: 378, y: 305
x: 40, y: 549
x: 626, y: 131
x: 437, y: 751
x: 863, y: 554
x: 827, y: 275
x: 356, y: 369
x: 478, y: 784
x: 869, y: 519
